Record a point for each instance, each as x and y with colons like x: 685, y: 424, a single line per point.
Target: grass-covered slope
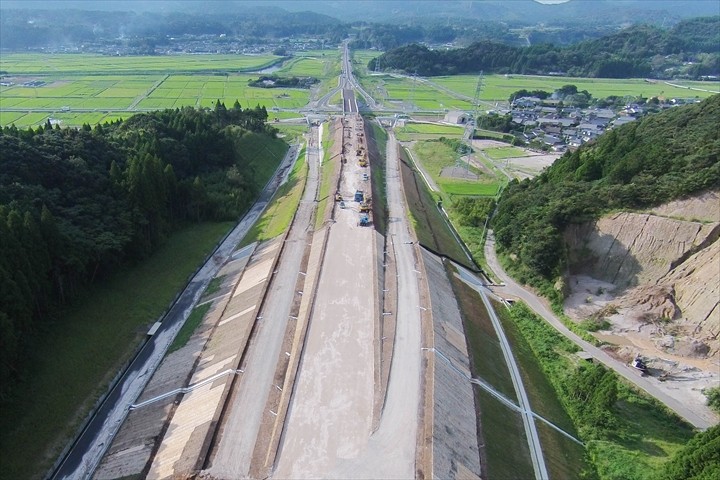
x: 659, y: 158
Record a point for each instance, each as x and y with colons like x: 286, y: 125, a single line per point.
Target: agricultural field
x: 418, y: 94
x: 415, y: 131
x: 360, y: 59
x: 79, y: 64
x: 63, y: 89
x: 500, y: 153
x: 314, y: 63
x: 321, y: 64
x: 454, y: 175
x: 66, y: 90
x: 500, y: 87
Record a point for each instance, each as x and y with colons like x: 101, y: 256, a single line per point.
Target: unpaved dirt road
x: 328, y: 431
x: 236, y: 442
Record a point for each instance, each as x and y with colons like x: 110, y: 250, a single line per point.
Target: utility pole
x: 470, y: 126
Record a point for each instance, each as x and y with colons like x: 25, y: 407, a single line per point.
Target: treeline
x: 637, y: 51
x: 658, y: 158
x: 385, y: 37
x: 77, y: 204
x: 274, y: 81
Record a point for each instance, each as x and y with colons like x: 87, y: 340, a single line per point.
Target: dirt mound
x: 458, y: 172
x: 650, y: 304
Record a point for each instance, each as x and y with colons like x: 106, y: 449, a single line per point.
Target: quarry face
x: 651, y: 282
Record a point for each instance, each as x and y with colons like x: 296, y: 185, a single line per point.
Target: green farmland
x: 416, y: 94
x: 435, y: 157
x: 82, y: 64
x: 500, y: 87
x: 500, y: 153
x: 418, y: 131
x: 76, y: 89
x: 456, y: 92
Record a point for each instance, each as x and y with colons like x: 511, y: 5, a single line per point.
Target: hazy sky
x: 704, y: 7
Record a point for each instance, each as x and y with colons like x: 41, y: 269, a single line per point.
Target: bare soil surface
x: 650, y: 281
x: 527, y: 166
x: 330, y: 417
x: 671, y: 393
x: 238, y: 433
x: 681, y: 377
x: 458, y: 172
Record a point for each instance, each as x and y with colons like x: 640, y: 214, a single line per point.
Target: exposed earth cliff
x: 654, y: 277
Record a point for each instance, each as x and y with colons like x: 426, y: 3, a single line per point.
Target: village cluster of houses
x: 559, y: 128
x: 549, y: 125
x: 186, y: 44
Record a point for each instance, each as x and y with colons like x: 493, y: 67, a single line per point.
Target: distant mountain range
x: 528, y: 12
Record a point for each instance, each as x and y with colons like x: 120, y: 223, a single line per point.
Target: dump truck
x: 365, y: 207
x: 364, y: 220
x: 359, y: 196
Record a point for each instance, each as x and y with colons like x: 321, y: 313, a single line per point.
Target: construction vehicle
x: 362, y: 162
x: 359, y: 196
x: 364, y: 221
x: 364, y: 207
x: 639, y: 364
x: 338, y: 197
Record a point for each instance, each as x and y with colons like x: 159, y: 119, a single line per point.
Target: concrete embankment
x: 455, y: 436
x: 151, y: 429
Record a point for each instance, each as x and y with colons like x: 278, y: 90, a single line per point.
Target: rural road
x: 699, y: 419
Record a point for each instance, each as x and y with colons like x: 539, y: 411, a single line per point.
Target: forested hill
x: 637, y: 51
x: 75, y: 205
x: 656, y: 159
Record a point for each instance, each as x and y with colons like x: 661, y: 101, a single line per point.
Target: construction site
x: 315, y: 357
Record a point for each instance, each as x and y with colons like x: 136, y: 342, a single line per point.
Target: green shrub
x: 713, y: 398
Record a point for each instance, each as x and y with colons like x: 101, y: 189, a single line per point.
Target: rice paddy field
x: 419, y: 131
x: 360, y: 59
x: 456, y: 92
x: 82, y: 64
x: 437, y: 157
x: 500, y: 87
x: 413, y: 93
x: 73, y: 89
x: 76, y: 89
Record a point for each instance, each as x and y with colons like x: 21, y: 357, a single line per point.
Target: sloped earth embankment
x: 655, y: 279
